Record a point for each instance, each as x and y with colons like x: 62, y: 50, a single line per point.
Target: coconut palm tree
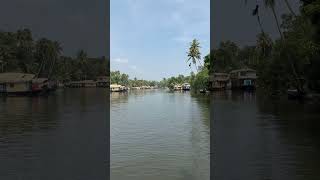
x: 264, y: 44
x: 57, y: 49
x: 255, y: 12
x: 271, y: 4
x: 194, y: 54
x: 290, y: 8
x: 83, y: 57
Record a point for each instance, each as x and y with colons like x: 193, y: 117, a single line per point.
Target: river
x: 156, y: 134
x: 256, y: 137
x: 159, y: 135
x: 59, y: 137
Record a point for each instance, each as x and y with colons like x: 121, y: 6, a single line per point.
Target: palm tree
x: 194, y: 53
x: 56, y: 47
x: 255, y: 12
x: 271, y: 4
x: 82, y: 56
x: 290, y: 8
x: 264, y: 44
x: 24, y: 47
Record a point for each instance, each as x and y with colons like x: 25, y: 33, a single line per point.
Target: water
x: 256, y: 137
x: 62, y: 136
x: 159, y: 135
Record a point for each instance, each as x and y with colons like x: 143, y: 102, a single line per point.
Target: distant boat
x: 117, y: 88
x: 177, y: 87
x: 186, y: 86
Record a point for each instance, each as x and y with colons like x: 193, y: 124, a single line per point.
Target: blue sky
x: 150, y: 38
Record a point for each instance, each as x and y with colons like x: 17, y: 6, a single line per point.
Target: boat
x: 177, y: 87
x: 118, y: 88
x: 186, y: 87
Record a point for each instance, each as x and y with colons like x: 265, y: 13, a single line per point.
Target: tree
x: 46, y: 54
x: 194, y: 54
x: 24, y: 49
x: 83, y: 57
x: 271, y: 4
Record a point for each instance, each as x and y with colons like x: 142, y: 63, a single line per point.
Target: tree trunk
x: 289, y: 7
x: 260, y: 25
x: 40, y: 68
x: 277, y: 22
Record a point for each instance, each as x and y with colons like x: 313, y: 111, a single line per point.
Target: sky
x: 76, y: 24
x: 149, y: 39
x: 233, y: 20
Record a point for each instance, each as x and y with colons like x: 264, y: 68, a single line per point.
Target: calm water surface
x: 59, y: 137
x: 256, y: 137
x: 159, y: 135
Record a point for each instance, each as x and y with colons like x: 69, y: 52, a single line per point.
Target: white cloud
x: 120, y: 60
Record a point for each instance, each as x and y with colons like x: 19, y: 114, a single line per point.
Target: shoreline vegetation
x: 21, y: 53
x: 44, y: 65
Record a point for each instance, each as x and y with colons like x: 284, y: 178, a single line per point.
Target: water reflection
x: 256, y: 137
x: 51, y: 137
x: 156, y: 134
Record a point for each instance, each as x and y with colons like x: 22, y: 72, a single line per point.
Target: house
x: 218, y: 81
x: 16, y: 83
x: 103, y: 81
x: 243, y: 79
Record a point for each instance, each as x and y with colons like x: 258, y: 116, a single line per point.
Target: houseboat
x: 177, y: 87
x: 135, y: 88
x: 117, y: 88
x: 243, y: 79
x: 40, y: 85
x: 219, y: 81
x: 16, y: 83
x: 186, y: 86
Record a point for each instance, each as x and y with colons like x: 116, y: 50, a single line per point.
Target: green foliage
x: 194, y: 54
x: 172, y: 81
x: 123, y: 79
x: 19, y: 52
x: 200, y: 80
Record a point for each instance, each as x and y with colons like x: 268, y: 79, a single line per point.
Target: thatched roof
x: 15, y: 77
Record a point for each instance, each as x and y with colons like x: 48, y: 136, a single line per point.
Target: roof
x: 221, y: 74
x: 39, y: 80
x: 115, y: 86
x: 15, y: 77
x: 244, y: 69
x: 219, y: 77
